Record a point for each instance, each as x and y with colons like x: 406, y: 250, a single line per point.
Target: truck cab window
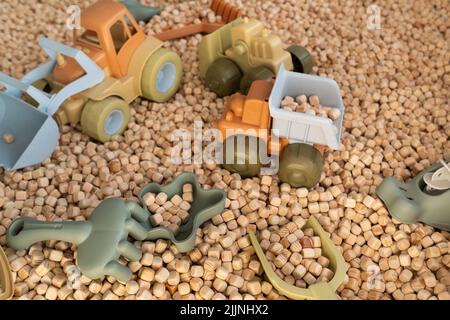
x: 90, y: 37
x: 131, y: 27
x: 119, y: 35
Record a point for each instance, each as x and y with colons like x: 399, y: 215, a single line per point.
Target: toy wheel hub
x: 166, y: 77
x: 114, y: 122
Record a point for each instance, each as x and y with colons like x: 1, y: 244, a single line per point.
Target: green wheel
x: 161, y: 75
x: 223, y: 77
x: 101, y: 120
x: 258, y: 73
x: 241, y: 155
x: 301, y: 58
x: 301, y: 165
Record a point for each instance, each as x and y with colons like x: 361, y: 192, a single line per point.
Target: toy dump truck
x: 111, y: 64
x: 300, y: 136
x: 243, y: 51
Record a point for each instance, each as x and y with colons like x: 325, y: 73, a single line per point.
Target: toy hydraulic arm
x: 49, y: 103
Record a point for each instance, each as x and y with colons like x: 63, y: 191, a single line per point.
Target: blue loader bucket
x: 33, y: 135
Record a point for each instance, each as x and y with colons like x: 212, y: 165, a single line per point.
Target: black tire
x: 300, y: 165
x: 223, y: 77
x: 242, y: 158
x: 257, y: 73
x: 301, y: 58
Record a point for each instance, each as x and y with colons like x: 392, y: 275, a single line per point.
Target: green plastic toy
x: 318, y: 291
x: 6, y: 277
x: 426, y: 198
x: 206, y: 205
x: 103, y: 238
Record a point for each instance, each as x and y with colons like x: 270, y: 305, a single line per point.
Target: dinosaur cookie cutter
x: 103, y: 238
x: 206, y: 204
x: 6, y: 278
x: 317, y: 291
x: 426, y: 198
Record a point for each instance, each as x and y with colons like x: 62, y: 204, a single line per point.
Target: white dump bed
x: 301, y: 127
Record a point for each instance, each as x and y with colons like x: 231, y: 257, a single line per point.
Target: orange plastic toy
x: 300, y: 164
x: 220, y: 8
x: 111, y: 63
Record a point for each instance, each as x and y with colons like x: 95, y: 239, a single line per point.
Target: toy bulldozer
x: 300, y: 136
x: 112, y: 63
x: 238, y: 50
x: 243, y: 51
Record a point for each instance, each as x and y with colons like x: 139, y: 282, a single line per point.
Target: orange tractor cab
x: 110, y: 38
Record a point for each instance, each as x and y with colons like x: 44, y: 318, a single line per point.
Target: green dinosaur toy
x: 103, y: 238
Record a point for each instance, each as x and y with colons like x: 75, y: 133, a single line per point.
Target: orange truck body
x: 248, y: 114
